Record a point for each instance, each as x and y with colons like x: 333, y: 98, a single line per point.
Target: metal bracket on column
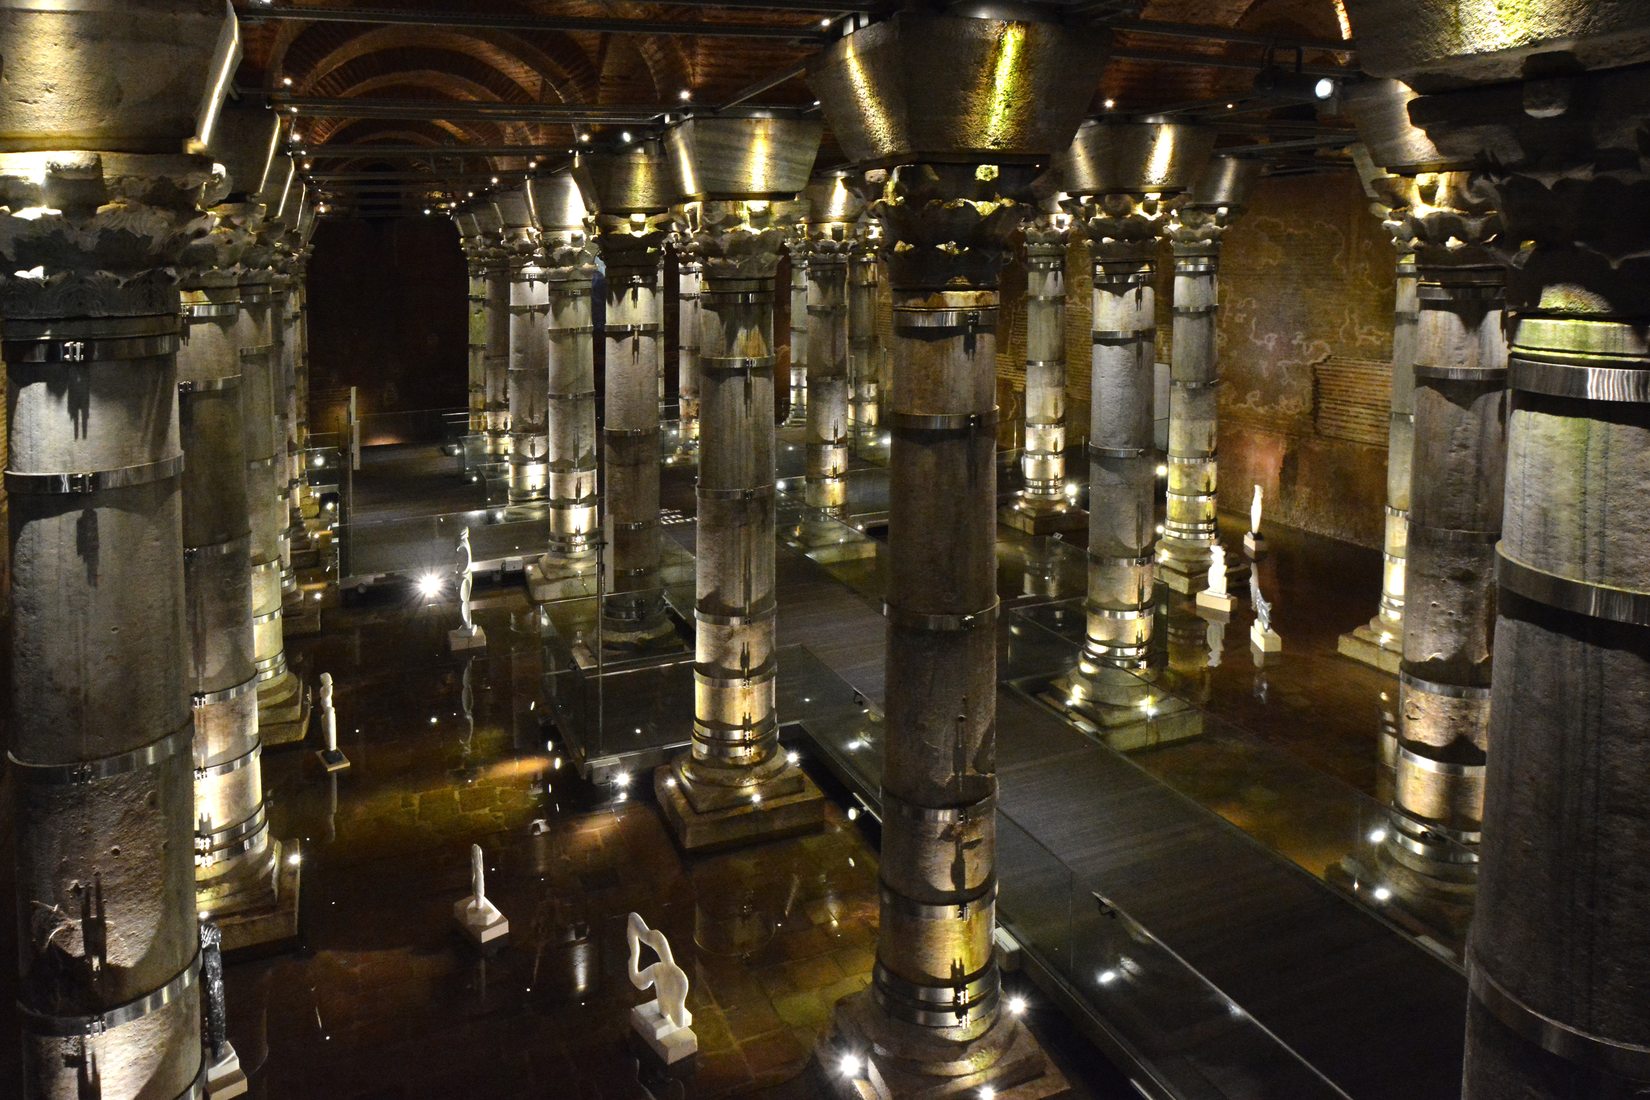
x: 201, y: 311
x: 1621, y: 1059
x: 224, y: 695
x: 748, y: 492
x: 252, y: 351
x: 736, y: 364
x: 1120, y: 337
x: 210, y: 385
x: 622, y: 332
x: 1496, y: 376
x: 84, y: 482
x: 230, y: 766
x: 1096, y: 451
x: 916, y: 620
x: 1576, y: 378
x: 66, y: 1027
x: 104, y: 767
x: 569, y: 330
x: 904, y: 422
x: 1581, y: 597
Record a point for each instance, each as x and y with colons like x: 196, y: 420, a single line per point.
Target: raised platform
x: 1043, y: 521
x: 267, y: 917
x: 1383, y: 651
x: 773, y: 817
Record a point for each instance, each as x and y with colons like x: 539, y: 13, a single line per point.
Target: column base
x: 1124, y: 710
x: 798, y: 807
x: 899, y: 1061
x: 1188, y: 573
x: 654, y: 638
x: 259, y: 913
x: 553, y: 578
x: 460, y: 639
x: 1042, y: 518
x: 283, y: 710
x: 1380, y: 649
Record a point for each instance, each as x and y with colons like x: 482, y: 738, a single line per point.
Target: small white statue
x: 1261, y: 633
x: 468, y: 635
x: 1254, y: 512
x: 664, y: 1022
x: 332, y: 757
x: 1254, y: 543
x: 1214, y: 596
x: 478, y: 917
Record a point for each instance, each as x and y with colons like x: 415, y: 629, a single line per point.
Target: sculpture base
x: 1191, y: 575
x: 1267, y: 641
x: 800, y: 809
x: 283, y: 710
x: 1222, y: 603
x: 1042, y: 519
x: 461, y: 639
x: 1124, y: 710
x: 1383, y: 650
x: 224, y: 1077
x: 261, y: 914
x: 1254, y: 544
x: 481, y: 927
x: 333, y: 760
x: 671, y: 1043
x: 898, y: 1061
x: 560, y: 578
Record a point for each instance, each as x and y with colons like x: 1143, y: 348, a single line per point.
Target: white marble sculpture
x: 1261, y: 633
x: 332, y: 758
x: 478, y: 917
x: 468, y: 635
x: 664, y: 1023
x: 1253, y: 541
x: 1215, y: 597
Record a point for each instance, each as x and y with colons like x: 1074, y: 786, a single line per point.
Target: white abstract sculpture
x: 478, y: 917
x: 1254, y: 543
x: 468, y: 635
x: 664, y: 1023
x: 1261, y: 633
x: 1215, y: 597
x: 332, y: 758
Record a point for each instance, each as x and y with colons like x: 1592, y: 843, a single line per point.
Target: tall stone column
x: 98, y: 718
x: 476, y: 254
x: 864, y: 342
x: 283, y: 704
x: 569, y: 387
x: 953, y: 155
x: 630, y: 191
x: 529, y: 368
x: 736, y: 785
x: 1380, y: 641
x: 496, y: 310
x: 689, y: 279
x: 1560, y: 996
x: 797, y: 249
x: 828, y: 229
x: 1195, y: 229
x: 1041, y: 506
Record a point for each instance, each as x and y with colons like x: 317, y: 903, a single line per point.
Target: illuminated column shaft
x: 528, y: 375
x: 477, y: 269
x: 294, y: 358
x: 688, y: 283
x: 497, y: 355
x: 1189, y: 525
x: 1389, y: 616
x: 864, y: 384
x: 798, y: 413
x: 1122, y: 471
x: 935, y: 966
x: 99, y: 719
x: 233, y: 853
x: 826, y: 483
x: 1455, y: 511
x: 281, y: 389
x: 1043, y: 461
x: 735, y: 727
x: 571, y: 417
x: 633, y: 609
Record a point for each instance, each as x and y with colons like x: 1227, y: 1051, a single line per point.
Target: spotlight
x: 793, y: 757
x: 825, y: 23
x: 1324, y: 88
x: 622, y: 780
x: 987, y: 1093
x: 684, y: 95
x: 1382, y: 893
x: 584, y: 135
x: 1162, y: 471
x: 1016, y: 1006
x: 624, y: 136
x: 495, y: 179
x: 286, y: 81
x: 429, y: 585
x: 850, y: 1065
x: 1109, y: 104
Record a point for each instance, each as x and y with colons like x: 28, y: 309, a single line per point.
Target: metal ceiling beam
x: 1203, y: 33
x: 470, y: 110
x: 1216, y: 61
x: 534, y: 24
x: 387, y: 151
x: 403, y: 177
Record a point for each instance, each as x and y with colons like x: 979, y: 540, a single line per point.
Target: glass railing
x: 424, y: 548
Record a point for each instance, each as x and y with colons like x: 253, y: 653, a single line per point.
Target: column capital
x: 632, y: 242
x: 949, y: 226
x: 737, y: 238
x: 1048, y: 236
x: 1122, y: 225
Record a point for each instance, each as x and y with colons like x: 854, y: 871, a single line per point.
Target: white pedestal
x: 333, y: 760
x: 461, y: 639
x: 224, y: 1077
x: 1267, y: 641
x: 1222, y: 603
x: 1254, y: 543
x: 669, y: 1042
x: 482, y: 925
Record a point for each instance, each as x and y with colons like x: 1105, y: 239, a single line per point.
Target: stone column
x: 496, y: 309
x: 630, y: 191
x: 954, y: 156
x: 98, y: 716
x: 476, y: 257
x: 688, y: 283
x: 828, y: 233
x: 569, y: 266
x: 864, y: 342
x: 1380, y: 641
x: 797, y: 249
x: 529, y: 366
x: 1041, y: 506
x: 1195, y: 229
x: 736, y: 784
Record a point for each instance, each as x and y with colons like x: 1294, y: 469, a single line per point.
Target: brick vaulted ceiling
x: 621, y: 53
